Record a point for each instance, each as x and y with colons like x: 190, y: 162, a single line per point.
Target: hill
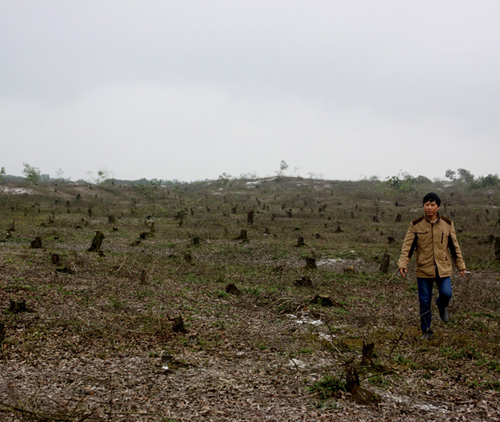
x: 239, y: 300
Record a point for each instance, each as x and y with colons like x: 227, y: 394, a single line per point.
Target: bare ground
x: 100, y: 343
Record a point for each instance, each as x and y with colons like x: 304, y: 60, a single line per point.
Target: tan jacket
x: 435, y: 244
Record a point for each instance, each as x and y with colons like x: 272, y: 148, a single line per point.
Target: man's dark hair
x: 432, y: 197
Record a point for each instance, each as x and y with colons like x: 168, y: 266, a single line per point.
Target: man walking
x: 433, y: 239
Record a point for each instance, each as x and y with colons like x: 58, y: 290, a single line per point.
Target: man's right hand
x: 403, y: 271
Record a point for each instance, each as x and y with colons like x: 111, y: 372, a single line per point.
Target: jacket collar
x: 435, y: 221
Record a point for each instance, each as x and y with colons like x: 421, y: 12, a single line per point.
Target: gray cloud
x: 190, y: 89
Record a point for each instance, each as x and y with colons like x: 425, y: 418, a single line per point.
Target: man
x: 433, y: 239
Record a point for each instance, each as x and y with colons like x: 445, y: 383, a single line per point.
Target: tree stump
x: 178, y: 325
x: 18, y: 307
x: 384, y: 266
x: 37, y: 243
x: 398, y: 218
x: 65, y: 270
x: 144, y: 277
x: 111, y: 219
x: 497, y: 248
x: 325, y: 301
x: 250, y: 215
x: 243, y: 236
x: 55, y: 258
x: 304, y: 282
x: 311, y: 264
x: 96, y: 242
x: 300, y: 242
x: 366, y: 360
x: 232, y: 289
x: 351, y: 377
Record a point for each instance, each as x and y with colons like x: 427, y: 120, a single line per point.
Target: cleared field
x: 239, y: 301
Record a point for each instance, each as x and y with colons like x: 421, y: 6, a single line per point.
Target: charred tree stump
x: 243, y: 236
x: 196, y: 240
x: 65, y: 270
x: 55, y: 259
x: 339, y: 230
x: 300, y: 242
x: 250, y: 215
x: 178, y: 325
x: 367, y: 351
x: 351, y: 377
x: 304, y: 282
x: 144, y: 277
x: 18, y: 307
x: 111, y: 219
x: 384, y: 266
x: 326, y: 301
x: 37, y: 243
x: 96, y: 242
x: 497, y: 248
x: 311, y: 264
x: 232, y: 289
x: 398, y: 218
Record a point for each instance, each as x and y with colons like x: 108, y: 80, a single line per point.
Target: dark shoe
x: 426, y: 336
x: 445, y: 316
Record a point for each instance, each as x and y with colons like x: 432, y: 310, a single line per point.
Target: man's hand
x: 463, y: 272
x: 403, y: 271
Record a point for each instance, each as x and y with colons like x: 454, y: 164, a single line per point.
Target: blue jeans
x: 425, y: 286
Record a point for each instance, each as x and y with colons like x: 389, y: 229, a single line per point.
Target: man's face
x: 431, y: 209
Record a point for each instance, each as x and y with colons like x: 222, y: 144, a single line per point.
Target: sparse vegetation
x: 176, y: 317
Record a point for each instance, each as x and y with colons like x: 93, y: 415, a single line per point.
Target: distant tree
x: 45, y: 178
x: 405, y: 182
x: 465, y: 176
x: 251, y: 175
x: 225, y: 178
x: 59, y: 175
x: 283, y: 167
x: 450, y: 174
x: 31, y: 173
x: 2, y: 174
x: 102, y: 176
x: 486, y: 181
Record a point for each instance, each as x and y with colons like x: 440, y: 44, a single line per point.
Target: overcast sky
x: 188, y: 90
